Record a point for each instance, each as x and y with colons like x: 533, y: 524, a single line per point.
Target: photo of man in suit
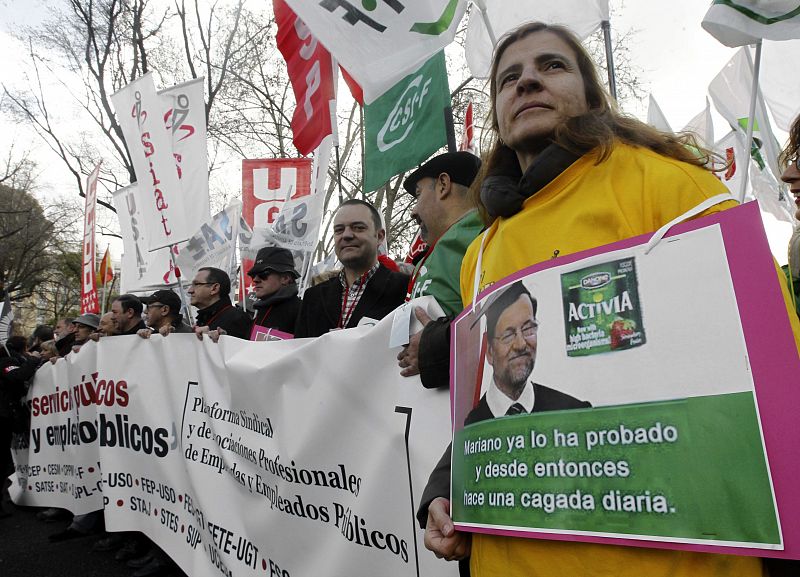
x: 512, y: 336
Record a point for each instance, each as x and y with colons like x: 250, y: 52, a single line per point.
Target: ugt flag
x: 740, y: 22
x: 406, y: 125
x: 380, y: 41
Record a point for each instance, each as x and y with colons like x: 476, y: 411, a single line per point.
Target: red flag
x: 311, y: 74
x: 468, y: 139
x: 355, y: 89
x: 105, y: 274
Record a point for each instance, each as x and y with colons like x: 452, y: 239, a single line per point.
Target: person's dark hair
x: 17, y: 344
x: 43, y: 333
x: 219, y: 276
x: 598, y: 128
x: 130, y: 302
x: 504, y: 300
x: 793, y: 146
x: 376, y: 216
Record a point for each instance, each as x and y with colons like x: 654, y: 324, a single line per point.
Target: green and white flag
x: 406, y: 124
x: 379, y: 42
x: 740, y: 22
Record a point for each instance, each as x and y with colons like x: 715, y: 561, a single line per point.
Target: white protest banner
x: 682, y: 344
x: 292, y: 457
x: 142, y: 270
x: 582, y: 16
x: 140, y: 114
x: 89, y: 303
x: 214, y: 243
x: 185, y: 119
x: 394, y: 37
x: 740, y: 22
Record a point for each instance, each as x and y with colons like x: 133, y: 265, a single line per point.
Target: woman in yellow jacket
x: 566, y: 172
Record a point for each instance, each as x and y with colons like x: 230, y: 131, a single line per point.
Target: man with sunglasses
x: 274, y: 281
x: 210, y: 293
x: 163, y: 314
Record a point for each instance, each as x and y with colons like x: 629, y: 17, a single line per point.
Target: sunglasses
x: 263, y: 275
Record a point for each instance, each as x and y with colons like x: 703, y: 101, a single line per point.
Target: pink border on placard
x: 774, y: 363
x: 272, y: 334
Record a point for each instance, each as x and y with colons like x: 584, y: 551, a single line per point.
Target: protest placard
x: 684, y: 353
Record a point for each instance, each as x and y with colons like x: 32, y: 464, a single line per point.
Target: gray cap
x: 89, y: 319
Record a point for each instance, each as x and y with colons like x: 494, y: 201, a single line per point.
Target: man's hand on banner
x: 144, y: 333
x: 441, y: 536
x: 409, y: 357
x: 165, y: 331
x: 213, y: 335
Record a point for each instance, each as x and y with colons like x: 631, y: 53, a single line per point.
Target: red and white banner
x: 89, y: 302
x: 185, y: 120
x: 140, y: 113
x: 417, y: 248
x: 267, y: 184
x: 311, y: 74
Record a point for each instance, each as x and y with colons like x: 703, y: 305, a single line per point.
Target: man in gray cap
x: 274, y: 280
x: 85, y: 325
x: 448, y: 222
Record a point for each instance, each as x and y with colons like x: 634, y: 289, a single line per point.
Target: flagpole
x: 481, y: 5
x: 612, y: 82
x: 181, y: 292
x: 751, y: 115
x: 104, y: 272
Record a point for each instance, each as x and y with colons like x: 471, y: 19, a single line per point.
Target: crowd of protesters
x: 565, y: 172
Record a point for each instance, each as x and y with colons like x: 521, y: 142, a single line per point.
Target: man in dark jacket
x: 274, y: 281
x: 210, y: 292
x: 364, y: 288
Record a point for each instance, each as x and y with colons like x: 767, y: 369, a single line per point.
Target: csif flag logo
x: 401, y: 119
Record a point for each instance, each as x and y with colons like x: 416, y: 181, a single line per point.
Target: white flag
x: 582, y: 16
x: 142, y: 270
x: 140, y: 113
x: 185, y: 119
x: 747, y: 21
x: 381, y: 44
x: 702, y: 126
x: 780, y: 82
x: 214, y: 243
x: 730, y: 90
x: 655, y: 117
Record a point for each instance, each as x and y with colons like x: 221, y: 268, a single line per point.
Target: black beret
x: 462, y: 167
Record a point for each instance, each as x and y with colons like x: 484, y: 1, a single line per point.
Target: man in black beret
x: 448, y: 222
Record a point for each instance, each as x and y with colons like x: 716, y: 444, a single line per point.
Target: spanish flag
x: 105, y: 274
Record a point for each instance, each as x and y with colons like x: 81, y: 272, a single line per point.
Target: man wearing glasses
x: 512, y: 332
x: 210, y: 293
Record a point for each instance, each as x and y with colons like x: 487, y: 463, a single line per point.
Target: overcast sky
x: 677, y: 59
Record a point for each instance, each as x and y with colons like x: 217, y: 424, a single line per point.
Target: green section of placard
x: 689, y: 469
x: 602, y: 311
